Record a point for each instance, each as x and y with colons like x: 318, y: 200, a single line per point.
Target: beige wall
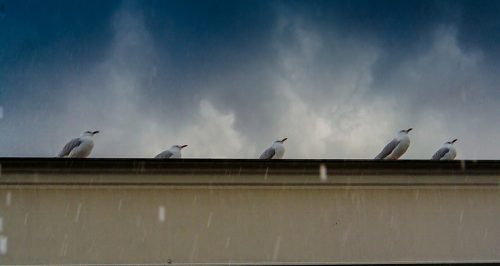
x: 152, y: 224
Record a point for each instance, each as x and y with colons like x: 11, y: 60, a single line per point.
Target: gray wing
x: 69, y: 147
x: 164, y: 155
x: 268, y: 154
x: 388, y: 149
x: 440, y: 153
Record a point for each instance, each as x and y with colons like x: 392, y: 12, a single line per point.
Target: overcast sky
x: 338, y: 78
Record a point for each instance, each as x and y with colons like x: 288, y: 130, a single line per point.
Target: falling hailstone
x: 64, y: 247
x: 26, y: 217
x: 78, y: 210
x: 120, y: 204
x: 322, y: 172
x: 209, y: 221
x: 3, y: 245
x: 8, y: 198
x: 277, y: 246
x: 462, y: 165
x: 161, y: 214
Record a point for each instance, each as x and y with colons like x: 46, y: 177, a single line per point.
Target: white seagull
x: 447, y: 152
x: 276, y: 151
x: 397, y: 147
x: 173, y: 152
x: 79, y: 147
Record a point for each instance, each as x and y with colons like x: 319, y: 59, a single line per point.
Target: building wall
x: 95, y: 223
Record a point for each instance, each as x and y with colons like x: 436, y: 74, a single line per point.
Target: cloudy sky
x: 338, y: 78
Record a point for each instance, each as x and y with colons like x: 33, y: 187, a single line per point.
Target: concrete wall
x: 122, y: 224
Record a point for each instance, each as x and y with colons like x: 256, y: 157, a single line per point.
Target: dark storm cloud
x: 339, y: 78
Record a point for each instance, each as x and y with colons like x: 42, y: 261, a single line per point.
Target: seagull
x: 276, y: 151
x: 173, y: 152
x: 79, y: 147
x: 394, y: 149
x: 447, y: 152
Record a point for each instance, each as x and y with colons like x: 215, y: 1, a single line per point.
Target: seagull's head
x: 406, y: 131
x: 179, y: 147
x: 89, y: 133
x: 451, y: 142
x: 281, y: 140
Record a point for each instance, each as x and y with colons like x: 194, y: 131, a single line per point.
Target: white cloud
x: 213, y: 134
x: 357, y: 132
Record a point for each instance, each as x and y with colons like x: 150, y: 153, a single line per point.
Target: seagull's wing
x: 69, y: 147
x: 388, y: 149
x: 440, y: 153
x: 164, y: 155
x: 268, y: 154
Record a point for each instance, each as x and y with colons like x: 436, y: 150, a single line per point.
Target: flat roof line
x: 246, y: 166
